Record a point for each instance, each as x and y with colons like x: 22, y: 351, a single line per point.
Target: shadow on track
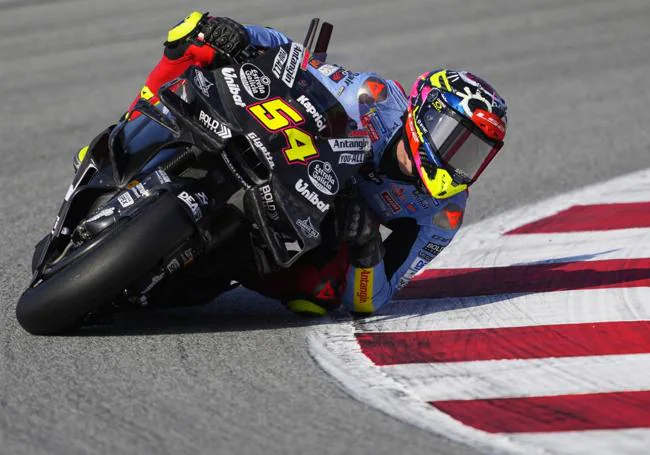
x: 239, y: 310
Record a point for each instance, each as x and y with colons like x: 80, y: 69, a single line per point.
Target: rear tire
x: 126, y: 254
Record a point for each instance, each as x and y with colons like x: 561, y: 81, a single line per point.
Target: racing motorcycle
x: 246, y: 165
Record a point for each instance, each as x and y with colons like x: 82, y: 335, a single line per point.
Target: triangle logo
x: 327, y: 292
x: 454, y: 218
x: 375, y: 88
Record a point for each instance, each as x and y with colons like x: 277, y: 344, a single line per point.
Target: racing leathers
x: 421, y: 225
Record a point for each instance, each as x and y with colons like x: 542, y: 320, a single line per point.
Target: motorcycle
x: 246, y: 166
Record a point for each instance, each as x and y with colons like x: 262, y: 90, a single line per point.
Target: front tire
x: 126, y: 254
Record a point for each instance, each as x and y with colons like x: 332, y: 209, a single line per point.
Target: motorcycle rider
x: 427, y: 149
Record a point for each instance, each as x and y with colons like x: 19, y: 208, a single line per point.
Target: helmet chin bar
x: 442, y: 185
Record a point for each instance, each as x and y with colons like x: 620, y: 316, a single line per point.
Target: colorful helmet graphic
x: 455, y: 125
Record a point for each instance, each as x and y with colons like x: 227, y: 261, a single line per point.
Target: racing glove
x: 228, y: 37
x: 360, y: 229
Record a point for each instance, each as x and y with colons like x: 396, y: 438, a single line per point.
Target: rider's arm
x: 264, y: 37
x: 181, y: 52
x: 410, y: 247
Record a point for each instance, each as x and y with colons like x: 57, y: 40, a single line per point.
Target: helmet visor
x: 459, y: 144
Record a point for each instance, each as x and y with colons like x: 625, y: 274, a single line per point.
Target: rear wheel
x: 123, y: 256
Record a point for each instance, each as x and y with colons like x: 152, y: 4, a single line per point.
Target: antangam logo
x: 311, y: 196
x: 350, y: 145
x: 229, y: 76
x: 215, y: 126
x: 260, y: 146
x: 202, y: 83
x: 311, y: 110
x: 364, y: 280
x: 322, y: 176
x: 291, y: 70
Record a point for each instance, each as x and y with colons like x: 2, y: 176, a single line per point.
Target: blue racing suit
x: 421, y: 225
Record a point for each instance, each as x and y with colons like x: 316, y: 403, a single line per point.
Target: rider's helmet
x: 454, y: 126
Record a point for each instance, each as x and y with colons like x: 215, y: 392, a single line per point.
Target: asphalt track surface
x: 236, y: 377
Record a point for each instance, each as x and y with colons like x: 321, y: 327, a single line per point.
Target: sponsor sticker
x: 307, y: 228
x: 202, y: 83
x: 269, y: 202
x: 125, y: 199
x: 351, y: 158
x: 417, y: 265
x: 192, y: 204
x: 323, y: 177
x: 293, y: 64
x: 173, y: 266
x: 338, y: 75
x: 255, y: 82
x: 278, y: 63
x: 363, y: 283
x: 311, y: 110
x: 230, y: 77
x: 328, y: 70
x: 260, y: 146
x: 350, y: 144
x: 366, y: 121
x: 162, y: 176
x: 215, y: 126
x: 388, y: 199
x: 303, y: 188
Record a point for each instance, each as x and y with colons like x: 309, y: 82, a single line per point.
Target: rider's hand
x: 226, y: 36
x: 360, y: 228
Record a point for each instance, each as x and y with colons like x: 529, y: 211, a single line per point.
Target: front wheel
x: 126, y: 254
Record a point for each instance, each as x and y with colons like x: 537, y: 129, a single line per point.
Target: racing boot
x: 324, y: 298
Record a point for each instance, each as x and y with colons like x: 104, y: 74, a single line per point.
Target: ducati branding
x: 307, y: 228
x: 323, y: 177
x: 303, y: 188
x: 260, y: 146
x: 293, y: 64
x: 215, y: 126
x: 255, y: 82
x: 269, y: 202
x: 202, y: 83
x: 311, y: 110
x: 229, y: 76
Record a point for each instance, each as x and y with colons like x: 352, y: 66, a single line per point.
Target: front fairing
x: 296, y: 130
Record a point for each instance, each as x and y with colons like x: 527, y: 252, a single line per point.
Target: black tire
x: 125, y: 255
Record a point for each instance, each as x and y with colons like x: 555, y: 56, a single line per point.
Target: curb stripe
x: 535, y: 278
x: 596, y: 411
x: 523, y: 378
x: 534, y: 342
x: 600, y: 217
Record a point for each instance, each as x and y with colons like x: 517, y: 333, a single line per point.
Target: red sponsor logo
x: 367, y: 124
x: 388, y: 199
